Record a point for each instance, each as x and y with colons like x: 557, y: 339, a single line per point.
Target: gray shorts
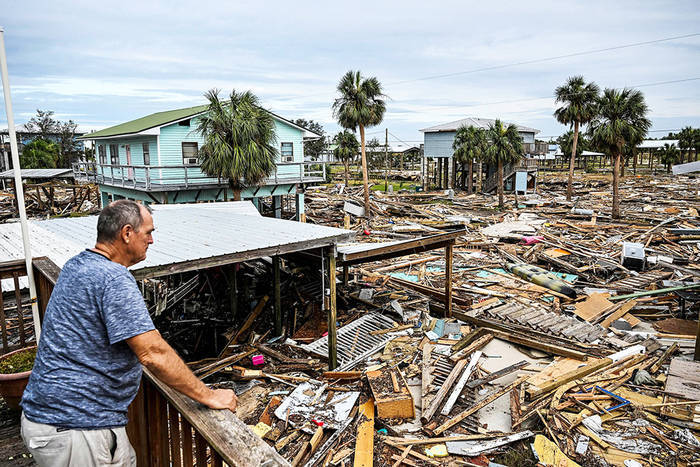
x: 55, y: 447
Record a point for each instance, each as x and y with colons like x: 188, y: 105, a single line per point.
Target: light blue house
x: 154, y: 159
x: 438, y: 146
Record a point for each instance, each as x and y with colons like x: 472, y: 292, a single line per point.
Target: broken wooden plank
x: 482, y: 403
x: 442, y: 392
x: 497, y: 374
x: 584, y: 370
x: 460, y: 384
x: 364, y: 445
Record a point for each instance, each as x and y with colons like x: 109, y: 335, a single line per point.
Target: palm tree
x: 621, y: 120
x: 361, y: 104
x: 346, y: 149
x: 668, y: 155
x: 685, y: 142
x: 239, y: 140
x: 505, y: 147
x: 579, y: 107
x: 469, y: 145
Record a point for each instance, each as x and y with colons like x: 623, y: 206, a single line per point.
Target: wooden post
x: 346, y: 275
x: 278, y: 299
x: 332, y: 313
x: 448, y: 279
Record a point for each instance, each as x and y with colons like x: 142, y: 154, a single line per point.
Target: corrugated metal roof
x: 38, y: 173
x: 475, y: 122
x: 171, y: 116
x: 184, y: 233
x: 657, y: 143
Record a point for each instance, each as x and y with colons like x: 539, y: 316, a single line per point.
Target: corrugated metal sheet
x: 184, y: 232
x: 38, y: 173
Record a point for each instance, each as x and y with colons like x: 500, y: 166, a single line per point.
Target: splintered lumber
x: 460, y: 384
x: 404, y: 455
x: 309, y: 447
x: 477, y: 344
x: 425, y: 375
x: 391, y: 403
x: 343, y: 375
x: 479, y: 405
x: 331, y: 441
x: 468, y: 339
x: 221, y: 364
x: 670, y: 351
x: 251, y: 319
x: 584, y: 370
x: 364, y: 444
x: 405, y: 264
x: 619, y: 313
x: 497, y: 374
x: 442, y: 392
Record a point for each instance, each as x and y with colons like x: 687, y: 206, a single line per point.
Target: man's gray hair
x: 116, y: 215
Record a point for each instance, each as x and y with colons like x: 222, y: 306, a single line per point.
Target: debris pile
x: 570, y: 342
x: 51, y: 199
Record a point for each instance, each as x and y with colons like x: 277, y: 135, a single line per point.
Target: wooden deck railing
x: 165, y: 427
x: 16, y: 322
x: 161, y: 177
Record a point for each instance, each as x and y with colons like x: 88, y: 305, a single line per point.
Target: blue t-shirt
x: 85, y: 375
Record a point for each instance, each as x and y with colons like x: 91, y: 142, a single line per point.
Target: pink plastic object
x: 531, y: 240
x: 258, y: 360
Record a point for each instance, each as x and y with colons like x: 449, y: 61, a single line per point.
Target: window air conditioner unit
x: 191, y: 161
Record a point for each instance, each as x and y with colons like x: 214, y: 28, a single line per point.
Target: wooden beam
x: 277, y: 294
x: 332, y: 315
x: 479, y: 405
x: 418, y: 245
x: 448, y: 279
x: 364, y: 446
x: 226, y: 433
x: 444, y: 389
x: 460, y: 384
x: 251, y: 319
x: 425, y: 376
x: 585, y: 370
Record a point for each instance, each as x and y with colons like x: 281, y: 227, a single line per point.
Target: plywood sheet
x: 593, y: 306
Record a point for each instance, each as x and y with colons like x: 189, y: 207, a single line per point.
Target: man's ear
x: 127, y: 232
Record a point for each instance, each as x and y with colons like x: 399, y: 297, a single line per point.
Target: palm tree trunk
x: 500, y: 184
x: 570, y: 183
x: 616, y: 186
x: 365, y: 179
x: 470, y: 176
x: 347, y: 171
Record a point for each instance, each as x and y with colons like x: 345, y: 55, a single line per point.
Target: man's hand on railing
x: 222, y: 399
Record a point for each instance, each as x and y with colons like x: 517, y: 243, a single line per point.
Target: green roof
x: 144, y: 123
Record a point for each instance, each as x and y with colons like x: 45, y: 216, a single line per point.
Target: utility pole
x: 19, y: 188
x: 386, y: 160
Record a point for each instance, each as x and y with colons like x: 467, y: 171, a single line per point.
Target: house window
x: 146, y: 154
x: 184, y: 122
x: 189, y: 153
x: 287, y: 152
x: 114, y: 154
x: 102, y: 153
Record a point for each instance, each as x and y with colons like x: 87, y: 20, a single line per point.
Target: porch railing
x: 16, y: 321
x: 163, y: 177
x: 165, y: 427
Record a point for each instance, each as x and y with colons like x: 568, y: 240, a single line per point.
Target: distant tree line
x: 55, y: 144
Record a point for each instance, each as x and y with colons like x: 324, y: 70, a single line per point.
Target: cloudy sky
x: 103, y: 63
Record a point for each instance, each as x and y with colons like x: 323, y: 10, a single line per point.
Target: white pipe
x: 19, y: 188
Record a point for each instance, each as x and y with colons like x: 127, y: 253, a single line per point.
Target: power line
x: 546, y: 59
x: 525, y: 62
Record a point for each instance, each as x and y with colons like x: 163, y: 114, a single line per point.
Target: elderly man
x: 96, y: 331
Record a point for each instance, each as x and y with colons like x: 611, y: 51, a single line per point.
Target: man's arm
x: 162, y: 360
